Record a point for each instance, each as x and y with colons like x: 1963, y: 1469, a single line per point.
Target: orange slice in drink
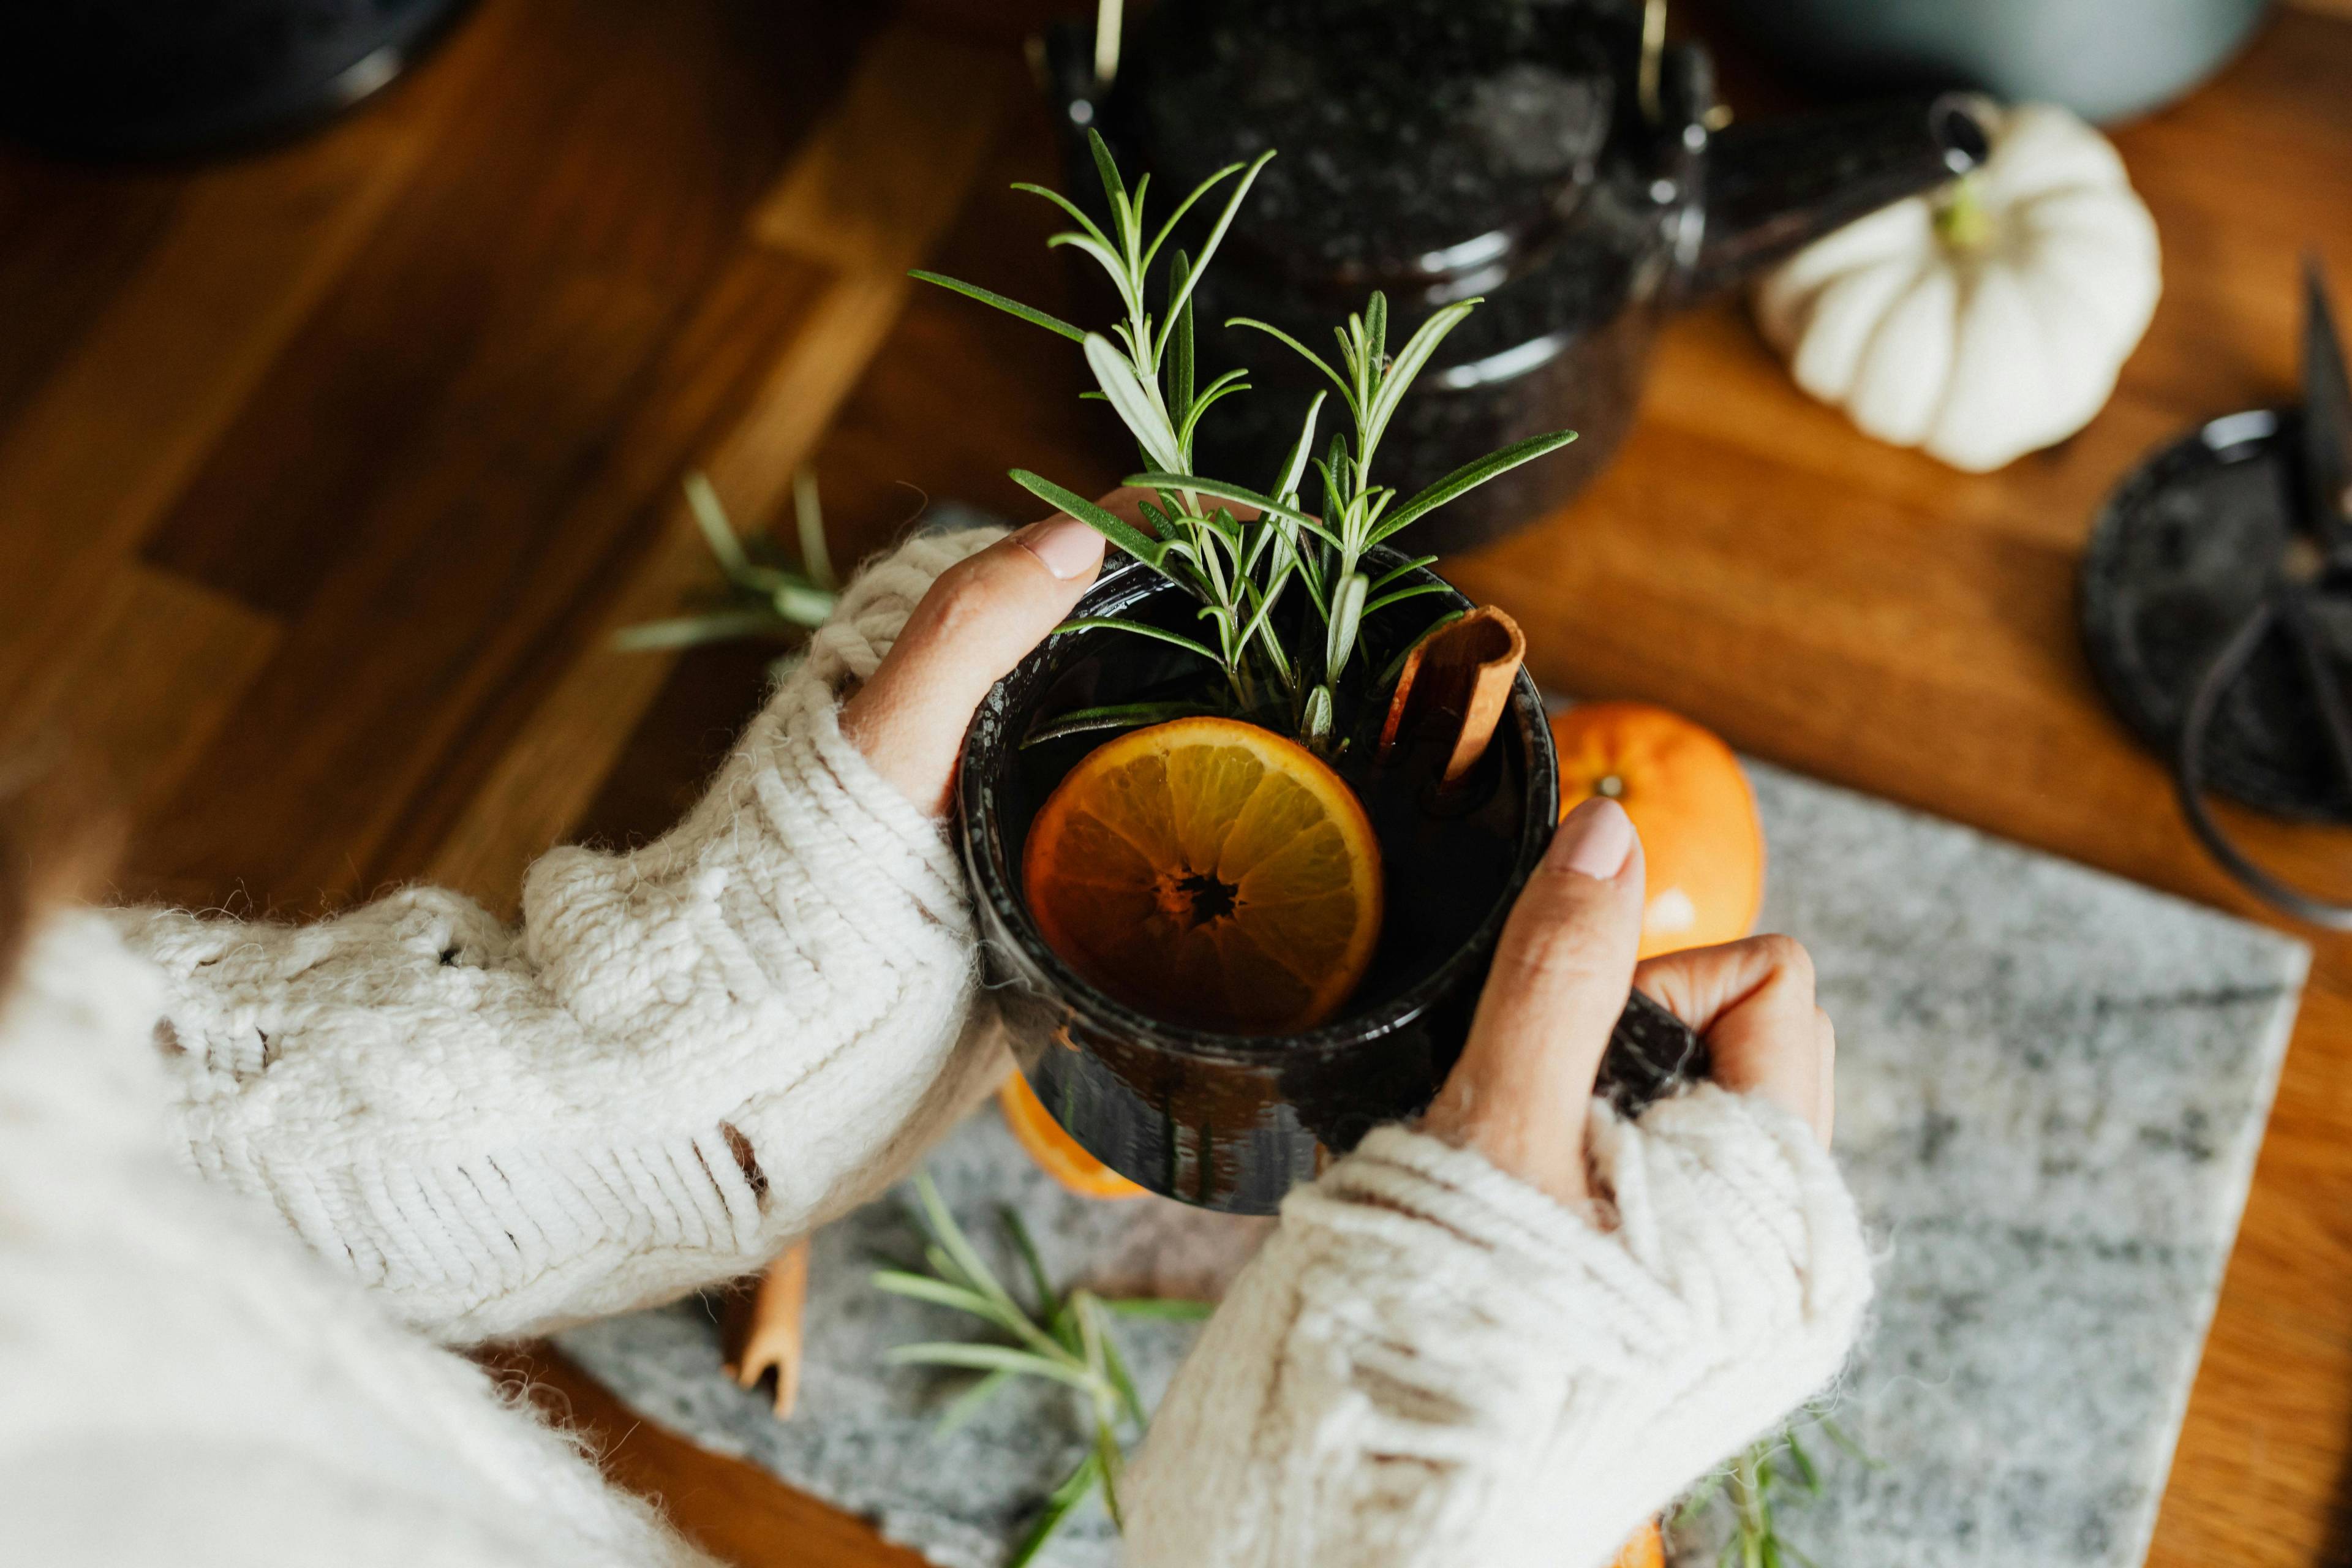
x: 1209, y: 873
x: 1064, y: 1157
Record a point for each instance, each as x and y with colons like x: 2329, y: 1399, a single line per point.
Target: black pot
x: 1541, y: 158
x: 1225, y: 1121
x: 166, y: 79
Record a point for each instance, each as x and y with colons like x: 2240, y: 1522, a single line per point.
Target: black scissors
x: 2315, y: 565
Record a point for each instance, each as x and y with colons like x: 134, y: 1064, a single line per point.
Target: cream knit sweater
x: 419, y: 1124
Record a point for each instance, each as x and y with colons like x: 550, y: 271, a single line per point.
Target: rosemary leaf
x: 798, y: 605
x: 1115, y: 1366
x: 1309, y: 355
x: 1202, y: 189
x: 1117, y: 716
x: 1130, y: 293
x: 1217, y: 234
x: 1108, y: 623
x: 1396, y: 378
x: 1347, y: 612
x: 1027, y: 1246
x: 986, y: 1358
x: 1469, y: 477
x: 1058, y: 1506
x: 1114, y: 188
x: 1179, y: 357
x: 1169, y: 1310
x: 1416, y: 564
x: 1110, y: 524
x: 1010, y: 307
x: 941, y: 1293
x: 710, y: 516
x: 1807, y: 1475
x: 695, y: 631
x: 1137, y: 409
x: 1077, y: 214
x: 1400, y: 595
x: 1294, y: 467
x: 1222, y: 490
x: 971, y: 1401
x: 808, y: 518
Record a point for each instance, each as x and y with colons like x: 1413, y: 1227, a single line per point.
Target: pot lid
x: 1419, y: 139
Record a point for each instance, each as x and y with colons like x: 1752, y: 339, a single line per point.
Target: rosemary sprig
x: 1063, y: 1337
x: 765, y: 597
x: 1750, y: 1486
x: 1236, y: 550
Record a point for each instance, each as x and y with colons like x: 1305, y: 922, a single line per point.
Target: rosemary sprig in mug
x: 1240, y: 567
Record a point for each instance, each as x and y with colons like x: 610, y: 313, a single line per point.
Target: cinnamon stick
x: 1454, y: 688
x: 763, y: 1331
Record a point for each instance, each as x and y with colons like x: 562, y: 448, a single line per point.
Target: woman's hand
x: 978, y: 621
x: 1522, y: 1093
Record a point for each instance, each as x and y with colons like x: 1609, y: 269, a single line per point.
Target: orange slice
x: 1064, y: 1157
x: 1210, y: 873
x: 1690, y: 801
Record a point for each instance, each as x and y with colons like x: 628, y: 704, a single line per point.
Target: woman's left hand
x: 978, y: 621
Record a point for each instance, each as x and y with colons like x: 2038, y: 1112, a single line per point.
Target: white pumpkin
x: 1985, y: 321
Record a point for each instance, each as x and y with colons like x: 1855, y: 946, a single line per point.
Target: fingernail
x: 1596, y: 840
x: 1068, y: 547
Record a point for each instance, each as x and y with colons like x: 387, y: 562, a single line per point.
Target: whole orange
x: 1696, y: 814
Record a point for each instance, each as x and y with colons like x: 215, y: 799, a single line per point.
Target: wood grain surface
x: 326, y: 473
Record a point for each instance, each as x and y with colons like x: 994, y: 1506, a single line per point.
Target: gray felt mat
x: 2052, y: 1085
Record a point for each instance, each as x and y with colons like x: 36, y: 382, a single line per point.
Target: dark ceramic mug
x: 1232, y: 1121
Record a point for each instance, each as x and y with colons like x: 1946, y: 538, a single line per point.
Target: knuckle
x: 958, y: 598
x: 1788, y: 956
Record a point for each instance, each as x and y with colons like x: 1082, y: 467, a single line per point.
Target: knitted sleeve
x: 1433, y: 1365
x: 683, y: 1056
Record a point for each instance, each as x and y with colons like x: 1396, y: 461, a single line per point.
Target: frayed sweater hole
x: 745, y: 1159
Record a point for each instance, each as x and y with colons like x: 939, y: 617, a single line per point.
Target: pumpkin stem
x: 1961, y: 220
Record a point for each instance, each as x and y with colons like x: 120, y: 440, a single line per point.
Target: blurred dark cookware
x: 165, y: 79
x: 1556, y: 160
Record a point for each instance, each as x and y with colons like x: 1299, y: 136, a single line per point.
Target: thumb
x: 978, y: 621
x: 1523, y: 1090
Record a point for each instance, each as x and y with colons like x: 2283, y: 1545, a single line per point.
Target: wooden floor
x: 325, y: 475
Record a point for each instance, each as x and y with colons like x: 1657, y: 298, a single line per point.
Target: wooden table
x: 325, y: 475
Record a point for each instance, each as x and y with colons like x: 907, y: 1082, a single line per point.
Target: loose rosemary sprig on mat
x: 767, y: 597
x: 1748, y: 1487
x: 1063, y: 1337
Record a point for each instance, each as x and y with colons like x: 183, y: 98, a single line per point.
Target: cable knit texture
x: 1432, y: 1365
x: 185, y: 1386
x: 685, y: 1056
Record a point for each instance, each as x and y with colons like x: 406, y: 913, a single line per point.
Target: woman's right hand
x: 1522, y: 1093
